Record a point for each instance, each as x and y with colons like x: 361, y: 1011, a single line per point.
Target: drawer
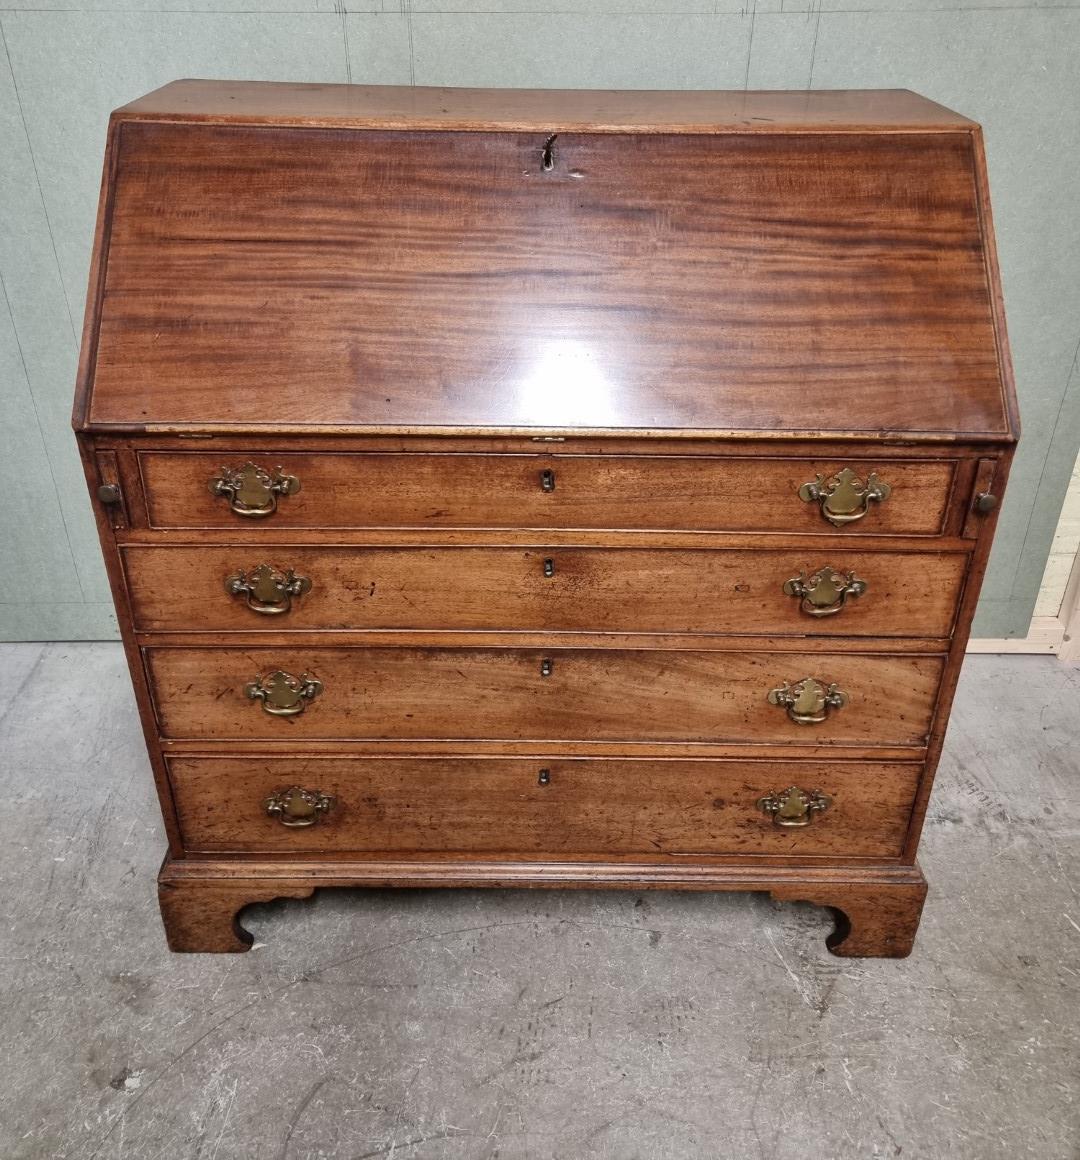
x: 565, y: 589
x: 530, y: 694
x: 375, y: 490
x: 540, y: 807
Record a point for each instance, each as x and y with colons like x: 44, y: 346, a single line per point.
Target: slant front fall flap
x: 817, y: 281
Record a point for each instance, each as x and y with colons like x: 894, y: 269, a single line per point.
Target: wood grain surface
x: 539, y: 110
x: 741, y: 282
x: 871, y: 919
x: 490, y: 806
x: 876, y: 907
x: 699, y: 493
x: 505, y: 589
x: 603, y: 695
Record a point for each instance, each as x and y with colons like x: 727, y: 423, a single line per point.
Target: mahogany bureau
x: 581, y: 489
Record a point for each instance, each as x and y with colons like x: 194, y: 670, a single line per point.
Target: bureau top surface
x: 543, y: 110
x: 324, y: 257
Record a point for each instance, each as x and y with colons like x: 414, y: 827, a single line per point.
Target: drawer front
x: 529, y: 694
x: 540, y: 807
x: 374, y: 490
x: 245, y: 589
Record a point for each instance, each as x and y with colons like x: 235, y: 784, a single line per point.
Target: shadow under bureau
x: 576, y: 489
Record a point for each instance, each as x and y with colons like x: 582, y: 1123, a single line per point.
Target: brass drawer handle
x: 844, y: 498
x: 253, y: 491
x: 825, y: 592
x: 296, y: 807
x: 808, y: 701
x: 793, y: 806
x: 267, y: 590
x: 282, y: 694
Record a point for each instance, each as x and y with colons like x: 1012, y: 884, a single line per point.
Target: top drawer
x: 691, y: 493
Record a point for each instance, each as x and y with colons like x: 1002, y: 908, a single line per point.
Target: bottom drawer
x: 541, y: 807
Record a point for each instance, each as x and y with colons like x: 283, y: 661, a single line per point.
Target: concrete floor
x: 534, y: 1025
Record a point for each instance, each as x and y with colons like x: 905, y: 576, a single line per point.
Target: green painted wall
x: 66, y: 63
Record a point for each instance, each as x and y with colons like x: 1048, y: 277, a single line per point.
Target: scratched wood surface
x: 703, y: 493
x: 499, y: 806
x: 479, y: 694
x: 505, y: 589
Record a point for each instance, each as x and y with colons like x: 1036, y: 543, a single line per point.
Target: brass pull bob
x: 986, y: 503
x: 845, y: 498
x: 282, y: 694
x: 296, y: 808
x: 794, y: 807
x: 252, y: 491
x: 266, y: 590
x: 808, y: 701
x: 825, y: 591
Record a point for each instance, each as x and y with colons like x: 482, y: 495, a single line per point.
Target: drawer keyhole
x: 549, y: 567
x: 547, y: 480
x: 547, y: 667
x: 544, y: 778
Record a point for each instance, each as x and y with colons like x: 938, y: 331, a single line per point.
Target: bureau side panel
x: 990, y: 478
x: 101, y: 468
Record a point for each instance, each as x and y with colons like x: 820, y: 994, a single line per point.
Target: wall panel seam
x: 41, y: 192
x: 1069, y: 378
x: 41, y: 436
